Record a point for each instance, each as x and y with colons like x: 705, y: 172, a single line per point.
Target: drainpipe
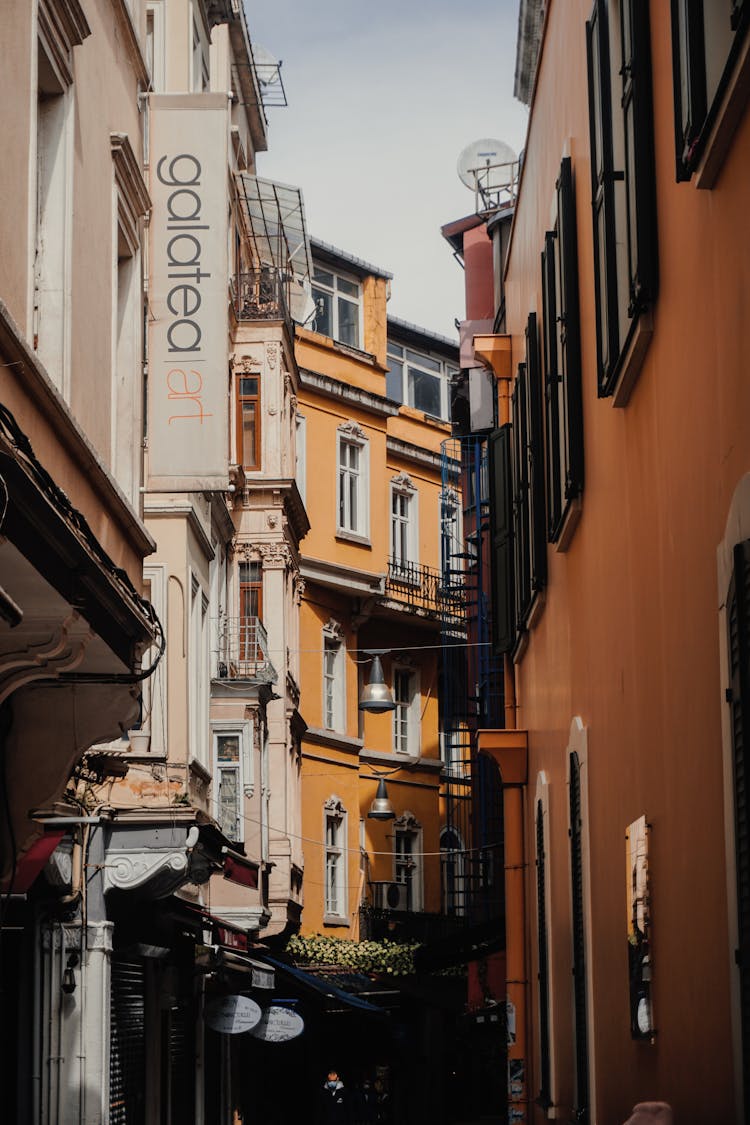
x: 509, y: 749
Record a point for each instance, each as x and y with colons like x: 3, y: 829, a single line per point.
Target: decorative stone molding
x: 352, y: 429
x: 274, y: 554
x: 402, y: 482
x: 299, y: 590
x: 272, y: 519
x: 334, y: 805
x: 333, y: 631
x: 407, y: 822
x: 289, y: 388
x: 62, y: 26
x: 133, y: 200
x: 272, y: 355
x: 249, y: 365
x: 162, y: 872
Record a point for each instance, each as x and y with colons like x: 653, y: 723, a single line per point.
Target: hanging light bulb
x: 381, y: 808
x: 376, y: 696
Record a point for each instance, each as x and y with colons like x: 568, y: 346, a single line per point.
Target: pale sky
x: 383, y: 95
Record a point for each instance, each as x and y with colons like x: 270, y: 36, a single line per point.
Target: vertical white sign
x: 188, y: 298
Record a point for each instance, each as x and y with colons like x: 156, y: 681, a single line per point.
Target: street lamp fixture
x: 376, y: 696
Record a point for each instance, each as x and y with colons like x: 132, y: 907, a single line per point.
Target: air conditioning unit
x: 389, y: 896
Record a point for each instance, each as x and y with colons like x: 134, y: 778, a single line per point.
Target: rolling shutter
x: 127, y: 1072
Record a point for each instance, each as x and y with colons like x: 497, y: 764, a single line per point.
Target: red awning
x: 240, y: 870
x: 31, y: 862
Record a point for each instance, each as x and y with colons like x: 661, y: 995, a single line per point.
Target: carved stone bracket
x: 402, y: 482
x: 352, y: 429
x: 159, y: 872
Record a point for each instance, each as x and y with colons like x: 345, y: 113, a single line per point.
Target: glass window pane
x: 349, y: 287
x: 423, y: 360
x: 228, y: 747
x: 394, y: 381
x: 323, y: 276
x: 229, y: 803
x: 424, y: 392
x: 323, y: 321
x: 348, y: 332
x: 249, y: 385
x: 395, y: 349
x: 249, y: 446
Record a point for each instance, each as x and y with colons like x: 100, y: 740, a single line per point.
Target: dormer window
x: 418, y: 379
x: 337, y: 306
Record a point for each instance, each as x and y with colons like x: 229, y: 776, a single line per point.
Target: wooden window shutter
x: 638, y: 126
x: 544, y: 1098
x: 579, y: 944
x: 535, y: 416
x: 738, y: 638
x: 602, y: 197
x: 521, y: 498
x: 552, y: 380
x: 501, y: 525
x: 570, y: 331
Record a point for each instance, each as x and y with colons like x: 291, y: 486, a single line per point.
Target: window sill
x: 632, y: 358
x: 569, y: 524
x: 728, y: 116
x: 353, y: 537
x: 335, y: 920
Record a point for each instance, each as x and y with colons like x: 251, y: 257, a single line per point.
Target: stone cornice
x: 133, y: 199
x: 132, y: 44
x: 345, y: 392
x: 407, y: 761
x: 334, y: 739
x: 355, y: 580
x: 414, y: 453
x: 62, y: 26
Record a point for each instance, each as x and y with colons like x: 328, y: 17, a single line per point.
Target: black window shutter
x: 570, y: 330
x: 689, y: 81
x: 552, y: 379
x: 740, y: 9
x: 579, y: 944
x: 536, y: 457
x: 501, y: 523
x: 638, y: 124
x: 521, y: 501
x: 738, y: 637
x: 544, y: 1099
x: 602, y: 197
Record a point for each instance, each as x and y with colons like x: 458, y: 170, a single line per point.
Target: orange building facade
x: 371, y: 417
x: 621, y: 518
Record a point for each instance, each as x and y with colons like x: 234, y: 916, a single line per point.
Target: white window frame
x: 405, y: 357
x: 154, y: 690
x: 404, y: 525
x: 154, y: 52
x: 450, y: 537
x: 459, y: 877
x: 335, y: 855
x: 407, y: 714
x: 408, y: 866
x: 200, y: 66
x: 244, y: 769
x: 334, y: 680
x: 351, y: 435
x: 335, y: 294
x: 198, y: 673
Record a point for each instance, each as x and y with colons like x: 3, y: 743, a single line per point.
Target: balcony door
x: 251, y: 610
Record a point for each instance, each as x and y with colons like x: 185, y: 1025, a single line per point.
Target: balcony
x: 261, y: 294
x: 424, y: 591
x: 240, y: 651
x: 406, y: 926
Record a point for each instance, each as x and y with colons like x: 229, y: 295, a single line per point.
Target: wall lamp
x: 376, y: 696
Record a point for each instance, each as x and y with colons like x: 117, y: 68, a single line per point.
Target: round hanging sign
x: 278, y: 1025
x: 232, y: 1015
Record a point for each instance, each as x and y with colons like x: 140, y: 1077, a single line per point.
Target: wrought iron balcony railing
x: 422, y: 588
x: 241, y: 650
x: 261, y: 294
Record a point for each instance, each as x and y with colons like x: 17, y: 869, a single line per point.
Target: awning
x: 31, y: 863
x: 461, y: 947
x: 275, y: 218
x: 239, y: 869
x: 336, y: 999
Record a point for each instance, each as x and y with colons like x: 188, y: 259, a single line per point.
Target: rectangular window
x: 227, y: 780
x: 301, y: 454
x: 707, y: 39
x: 248, y: 421
x: 406, y: 714
x: 198, y: 667
x: 418, y: 379
x: 407, y: 865
x: 333, y: 684
x: 501, y: 532
x: 622, y: 173
x: 200, y: 76
x: 400, y: 507
x: 251, y: 611
x: 543, y: 1099
x: 338, y: 303
x: 562, y: 358
x: 335, y: 864
x: 352, y: 497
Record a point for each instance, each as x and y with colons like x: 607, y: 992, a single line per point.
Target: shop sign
x: 278, y: 1025
x: 232, y: 1015
x: 188, y: 318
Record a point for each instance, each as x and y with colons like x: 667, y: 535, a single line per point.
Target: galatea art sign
x: 188, y: 326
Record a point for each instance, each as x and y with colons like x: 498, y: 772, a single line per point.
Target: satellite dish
x: 487, y: 165
x: 301, y: 304
x: 266, y: 66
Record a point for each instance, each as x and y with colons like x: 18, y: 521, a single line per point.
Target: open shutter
x: 521, y: 498
x: 501, y: 520
x: 689, y: 81
x: 579, y: 944
x: 638, y: 124
x: 570, y: 331
x: 738, y: 636
x: 552, y: 383
x: 536, y: 457
x: 544, y: 1099
x: 602, y: 196
x: 740, y: 9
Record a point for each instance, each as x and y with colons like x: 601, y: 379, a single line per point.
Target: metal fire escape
x: 471, y: 698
